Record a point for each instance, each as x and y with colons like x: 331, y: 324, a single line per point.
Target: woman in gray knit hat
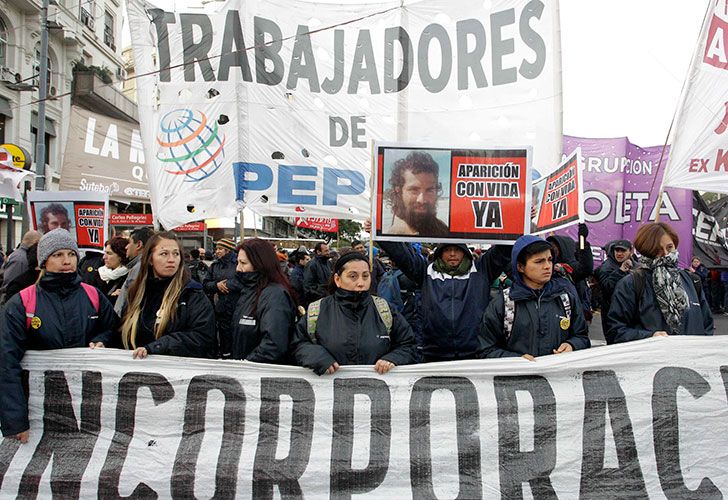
x: 57, y: 312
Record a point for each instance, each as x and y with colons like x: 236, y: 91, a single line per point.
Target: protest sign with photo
x: 451, y: 194
x: 644, y: 419
x: 558, y: 197
x: 84, y: 215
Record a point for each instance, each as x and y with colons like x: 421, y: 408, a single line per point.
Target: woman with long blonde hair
x: 167, y: 312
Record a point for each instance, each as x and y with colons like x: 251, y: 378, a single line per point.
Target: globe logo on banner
x: 191, y: 144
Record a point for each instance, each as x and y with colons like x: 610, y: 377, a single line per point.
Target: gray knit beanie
x: 52, y: 241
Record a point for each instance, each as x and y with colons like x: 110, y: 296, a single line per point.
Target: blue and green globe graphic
x: 190, y: 144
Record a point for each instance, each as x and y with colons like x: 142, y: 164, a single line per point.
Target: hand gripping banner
x: 638, y: 420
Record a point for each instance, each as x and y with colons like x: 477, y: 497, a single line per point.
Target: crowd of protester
x: 321, y: 309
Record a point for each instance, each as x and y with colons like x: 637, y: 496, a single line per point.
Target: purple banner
x: 621, y: 187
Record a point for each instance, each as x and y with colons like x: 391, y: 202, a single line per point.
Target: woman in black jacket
x: 540, y: 314
x: 58, y: 312
x: 265, y: 313
x: 110, y: 277
x: 167, y: 312
x: 658, y: 299
x: 352, y: 327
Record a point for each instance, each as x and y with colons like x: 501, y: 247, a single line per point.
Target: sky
x: 623, y: 64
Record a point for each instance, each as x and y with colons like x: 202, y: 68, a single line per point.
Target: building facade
x: 86, y: 33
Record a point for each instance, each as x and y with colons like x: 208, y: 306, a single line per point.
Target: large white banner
x: 275, y: 102
x: 638, y: 420
x: 699, y: 152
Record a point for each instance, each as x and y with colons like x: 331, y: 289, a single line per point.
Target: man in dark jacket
x: 198, y: 269
x: 301, y: 258
x: 540, y: 314
x: 580, y: 264
x: 224, y: 290
x: 455, y: 292
x: 618, y: 264
x: 17, y: 263
x: 137, y: 240
x: 317, y: 273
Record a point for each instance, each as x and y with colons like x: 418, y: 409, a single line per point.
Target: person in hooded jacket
x: 576, y: 263
x: 657, y: 299
x: 224, y: 291
x: 265, y: 314
x: 352, y: 327
x: 455, y: 290
x: 65, y: 316
x: 537, y: 316
x: 619, y: 262
x: 167, y: 312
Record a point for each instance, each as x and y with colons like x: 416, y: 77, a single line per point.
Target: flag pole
x: 371, y: 207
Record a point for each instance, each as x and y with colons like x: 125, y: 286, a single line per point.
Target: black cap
x: 623, y: 244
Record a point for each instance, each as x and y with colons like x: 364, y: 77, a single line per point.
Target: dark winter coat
x: 537, y: 324
x: 107, y: 287
x: 581, y: 263
x: 67, y: 319
x: 349, y: 331
x: 296, y: 278
x: 452, y: 306
x: 316, y: 277
x: 198, y: 270
x: 262, y: 331
x: 223, y: 269
x: 608, y: 275
x: 88, y: 266
x: 190, y: 334
x: 628, y: 323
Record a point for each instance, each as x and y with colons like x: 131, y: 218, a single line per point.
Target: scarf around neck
x: 107, y: 274
x: 441, y: 267
x: 672, y: 299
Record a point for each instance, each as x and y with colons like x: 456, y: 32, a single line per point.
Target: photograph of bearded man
x: 414, y: 202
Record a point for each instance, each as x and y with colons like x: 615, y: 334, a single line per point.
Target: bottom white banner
x: 645, y: 419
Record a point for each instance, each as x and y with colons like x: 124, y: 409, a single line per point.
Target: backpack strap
x: 566, y: 303
x: 28, y: 296
x: 509, y: 312
x: 93, y: 295
x: 314, y: 308
x: 638, y: 275
x: 697, y: 283
x: 385, y: 313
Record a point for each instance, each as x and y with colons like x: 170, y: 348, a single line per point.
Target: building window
x: 3, y: 43
x: 109, y: 30
x: 87, y: 14
x: 48, y: 139
x: 2, y: 129
x: 36, y: 69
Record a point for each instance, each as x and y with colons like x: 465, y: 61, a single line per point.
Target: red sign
x: 131, y: 220
x: 318, y: 224
x: 190, y: 227
x: 90, y: 224
x: 557, y: 198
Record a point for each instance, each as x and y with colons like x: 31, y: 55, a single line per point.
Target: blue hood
x: 518, y: 247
